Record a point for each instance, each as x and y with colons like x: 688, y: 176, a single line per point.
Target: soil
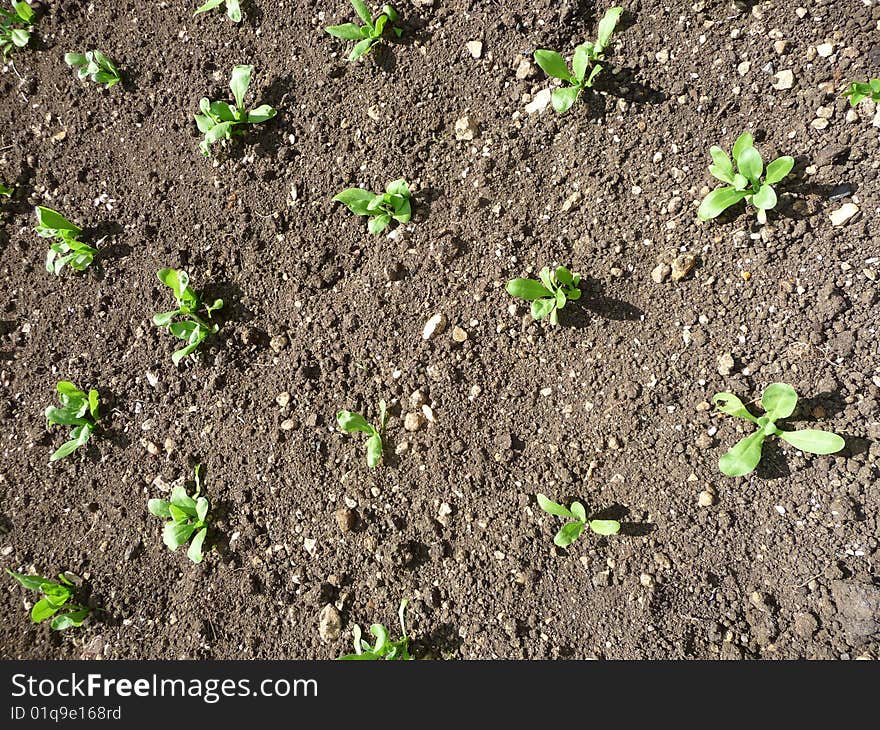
x: 611, y: 407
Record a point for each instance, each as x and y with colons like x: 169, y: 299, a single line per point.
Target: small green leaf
x: 743, y: 457
x: 261, y: 114
x: 160, y: 508
x: 765, y: 198
x: 581, y: 61
x: 542, y: 307
x: 605, y: 527
x: 351, y: 422
x: 563, y: 98
x: 579, y: 511
x: 814, y: 441
x: 176, y: 534
x: 779, y: 400
x: 361, y: 48
x: 194, y: 552
x: 347, y: 31
x: 718, y: 201
x: 742, y: 142
x: 360, y: 7
x: 48, y: 218
x: 728, y: 403
x: 355, y: 199
x: 606, y: 28
x: 778, y: 169
x: 568, y: 534
x: 42, y: 610
x: 374, y: 450
x: 378, y: 224
x: 66, y: 449
x: 32, y: 582
x: 552, y: 507
x: 553, y: 64
x: 68, y: 620
x: 239, y: 83
x: 527, y: 289
x: 202, y: 509
x: 209, y: 5
x: 750, y: 164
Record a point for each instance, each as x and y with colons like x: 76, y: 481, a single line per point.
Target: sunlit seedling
x: 78, y: 410
x: 578, y: 522
x: 351, y: 422
x: 57, y: 601
x: 779, y: 401
x: 858, y: 91
x: 549, y: 295
x: 233, y: 8
x: 66, y: 249
x: 384, y: 647
x: 187, y: 518
x: 94, y: 65
x: 380, y: 208
x: 368, y: 34
x: 186, y: 323
x: 15, y: 26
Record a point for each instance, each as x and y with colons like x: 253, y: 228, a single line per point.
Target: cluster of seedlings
x: 744, y: 174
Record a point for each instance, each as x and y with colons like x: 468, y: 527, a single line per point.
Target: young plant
x: 187, y: 516
x: 585, y: 66
x: 220, y: 120
x: 68, y: 249
x: 96, y: 66
x: 233, y: 8
x: 350, y: 422
x: 379, y: 207
x: 368, y: 34
x: 384, y: 647
x: 572, y: 530
x: 778, y: 401
x: 15, y: 26
x: 745, y: 181
x: 550, y: 294
x: 6, y: 190
x: 858, y: 91
x: 193, y: 329
x: 56, y: 597
x: 78, y: 410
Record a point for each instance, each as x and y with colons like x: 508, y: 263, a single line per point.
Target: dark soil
x: 609, y: 408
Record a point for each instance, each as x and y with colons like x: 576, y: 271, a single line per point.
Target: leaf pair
x: 68, y: 249
x: 779, y: 401
x: 351, y: 422
x: 15, y: 27
x: 571, y: 531
x: 96, y: 66
x: 550, y: 294
x: 56, y: 597
x: 370, y: 33
x: 193, y: 329
x: 233, y: 8
x: 220, y: 120
x: 384, y: 648
x: 381, y: 208
x: 744, y: 181
x: 187, y: 516
x: 584, y: 65
x: 78, y: 410
x: 859, y: 91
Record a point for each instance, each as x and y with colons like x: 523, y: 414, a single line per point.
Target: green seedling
x: 56, y: 597
x: 745, y: 181
x: 6, y: 190
x: 187, y: 516
x: 585, y: 66
x: 78, y: 410
x: 859, y: 91
x: 572, y: 530
x: 778, y: 401
x: 96, y: 66
x: 68, y: 249
x: 15, y: 27
x: 193, y: 329
x: 549, y: 295
x: 368, y: 34
x: 350, y: 422
x: 384, y: 648
x: 233, y: 8
x: 220, y: 120
x: 381, y: 208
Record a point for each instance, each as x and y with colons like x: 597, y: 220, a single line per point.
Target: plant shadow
x: 593, y: 302
x: 619, y: 513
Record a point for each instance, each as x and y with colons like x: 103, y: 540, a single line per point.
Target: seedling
x: 384, y: 647
x: 381, y: 208
x: 68, y: 249
x: 56, y: 597
x: 744, y: 182
x: 193, y: 329
x: 858, y: 91
x: 220, y: 120
x: 549, y: 295
x: 96, y: 66
x: 78, y: 410
x: 187, y: 516
x: 351, y: 422
x: 572, y: 530
x: 6, y: 191
x: 233, y: 8
x: 585, y: 66
x: 778, y: 401
x: 368, y: 34
x: 15, y: 27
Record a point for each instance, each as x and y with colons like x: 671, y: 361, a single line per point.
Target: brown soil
x: 783, y: 565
